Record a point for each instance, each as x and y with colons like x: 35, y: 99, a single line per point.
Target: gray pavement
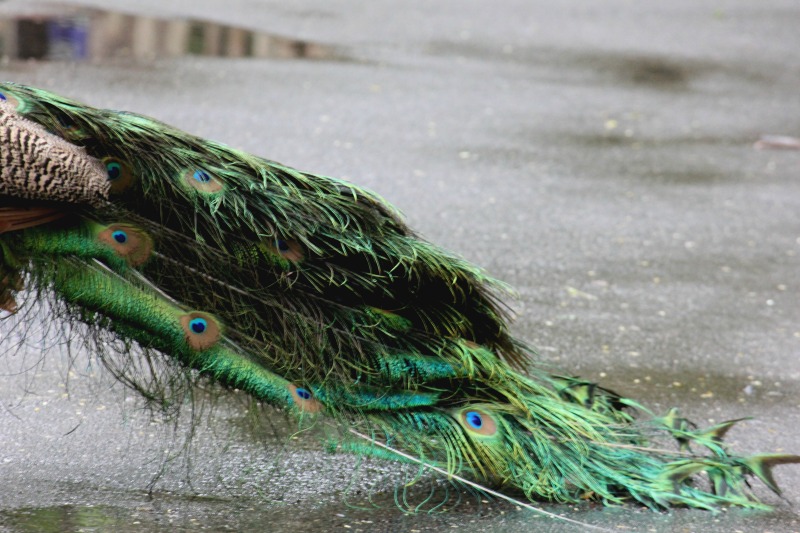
x: 597, y: 156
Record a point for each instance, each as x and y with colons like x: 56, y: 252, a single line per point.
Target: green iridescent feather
x: 310, y: 294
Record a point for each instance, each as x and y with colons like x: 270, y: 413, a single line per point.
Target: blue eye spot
x: 198, y: 325
x: 282, y: 245
x: 474, y: 419
x: 3, y: 97
x: 303, y: 393
x: 114, y: 170
x: 120, y: 236
x: 202, y: 176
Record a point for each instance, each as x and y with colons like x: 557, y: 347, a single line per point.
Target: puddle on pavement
x: 61, y: 518
x: 102, y: 518
x: 68, y: 33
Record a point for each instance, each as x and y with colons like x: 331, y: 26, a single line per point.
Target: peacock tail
x: 310, y: 294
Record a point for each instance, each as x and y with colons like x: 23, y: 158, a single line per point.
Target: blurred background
x: 631, y: 168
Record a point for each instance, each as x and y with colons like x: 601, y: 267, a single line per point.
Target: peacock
x: 311, y: 294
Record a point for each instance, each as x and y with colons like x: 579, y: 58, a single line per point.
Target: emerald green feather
x: 310, y: 294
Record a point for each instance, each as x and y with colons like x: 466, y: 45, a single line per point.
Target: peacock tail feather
x: 310, y: 294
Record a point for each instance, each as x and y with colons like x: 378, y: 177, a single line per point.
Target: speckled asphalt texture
x: 597, y: 156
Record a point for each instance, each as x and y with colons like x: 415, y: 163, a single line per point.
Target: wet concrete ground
x: 598, y: 157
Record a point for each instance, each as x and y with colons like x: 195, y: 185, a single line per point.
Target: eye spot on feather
x: 202, y: 176
x: 128, y: 242
x: 9, y: 284
x: 202, y: 180
x: 198, y: 325
x: 120, y: 236
x: 201, y: 330
x: 289, y: 249
x: 304, y: 399
x: 67, y: 128
x: 8, y: 303
x: 478, y: 422
x: 119, y: 174
x: 8, y: 97
x: 114, y: 170
x: 474, y: 419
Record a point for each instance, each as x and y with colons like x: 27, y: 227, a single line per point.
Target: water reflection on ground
x: 60, y: 518
x: 68, y: 33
